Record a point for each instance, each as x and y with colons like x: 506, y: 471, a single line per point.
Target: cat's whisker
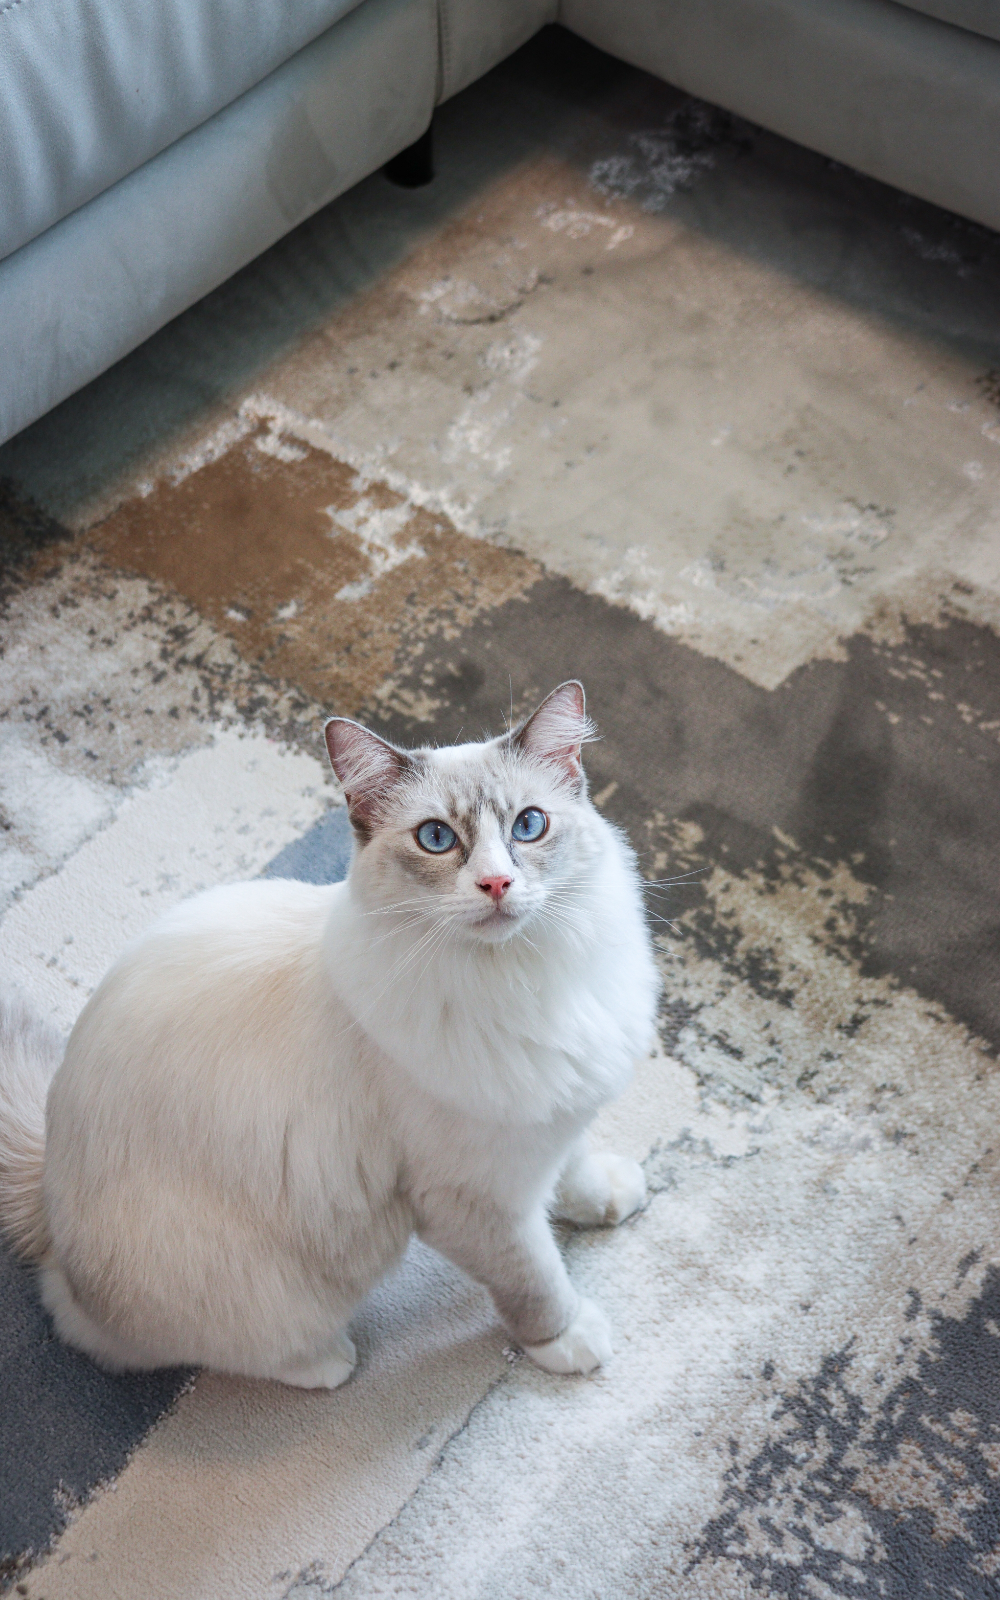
x: 407, y: 956
x: 445, y: 930
x: 665, y: 883
x: 413, y: 951
x: 397, y: 905
x: 566, y: 906
x: 401, y: 927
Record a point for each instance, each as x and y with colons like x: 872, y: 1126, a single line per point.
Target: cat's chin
x: 496, y: 927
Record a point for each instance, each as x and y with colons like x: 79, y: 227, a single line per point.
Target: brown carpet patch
x: 322, y: 577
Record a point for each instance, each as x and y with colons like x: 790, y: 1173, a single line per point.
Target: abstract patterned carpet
x: 637, y: 394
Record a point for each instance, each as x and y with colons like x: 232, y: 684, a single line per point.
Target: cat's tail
x: 30, y: 1052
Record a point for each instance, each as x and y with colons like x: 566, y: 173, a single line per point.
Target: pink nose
x: 497, y: 887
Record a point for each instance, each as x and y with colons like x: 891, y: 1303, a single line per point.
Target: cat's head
x: 482, y: 838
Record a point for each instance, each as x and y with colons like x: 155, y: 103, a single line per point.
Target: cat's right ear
x: 557, y: 730
x: 368, y: 768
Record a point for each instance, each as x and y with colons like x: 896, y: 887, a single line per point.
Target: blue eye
x: 436, y: 837
x: 530, y: 825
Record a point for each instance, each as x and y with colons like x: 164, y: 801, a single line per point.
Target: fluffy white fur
x: 276, y: 1085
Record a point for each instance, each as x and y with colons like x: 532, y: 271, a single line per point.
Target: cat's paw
x: 627, y: 1185
x: 581, y: 1347
x: 600, y: 1192
x: 329, y: 1372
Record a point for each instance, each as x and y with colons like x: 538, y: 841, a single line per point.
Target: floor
x: 639, y: 393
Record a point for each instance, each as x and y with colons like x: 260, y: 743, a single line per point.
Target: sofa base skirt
x: 83, y: 294
x: 886, y: 90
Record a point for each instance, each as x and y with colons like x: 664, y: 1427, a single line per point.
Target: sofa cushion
x: 91, y: 288
x: 92, y: 88
x: 476, y: 34
x: 978, y: 16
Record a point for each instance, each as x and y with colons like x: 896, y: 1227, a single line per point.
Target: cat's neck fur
x: 517, y: 1032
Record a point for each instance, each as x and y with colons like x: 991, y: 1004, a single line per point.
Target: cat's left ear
x: 368, y: 768
x: 557, y: 730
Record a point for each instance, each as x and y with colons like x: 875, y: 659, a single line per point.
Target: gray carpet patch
x: 65, y: 1426
x: 916, y: 1473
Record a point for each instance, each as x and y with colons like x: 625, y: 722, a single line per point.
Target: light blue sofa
x: 147, y: 151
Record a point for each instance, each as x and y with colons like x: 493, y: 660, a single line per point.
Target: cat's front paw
x: 581, y: 1347
x: 328, y: 1372
x: 626, y: 1185
x: 601, y: 1191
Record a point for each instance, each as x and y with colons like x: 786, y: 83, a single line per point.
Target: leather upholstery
x: 979, y: 16
x: 90, y: 89
x: 90, y: 289
x: 476, y: 34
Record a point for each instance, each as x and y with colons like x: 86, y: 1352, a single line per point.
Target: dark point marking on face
x: 426, y: 869
x: 363, y: 829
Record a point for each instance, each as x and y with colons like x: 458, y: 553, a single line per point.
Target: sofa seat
x: 977, y: 16
x: 86, y: 291
x: 91, y: 89
x: 476, y: 34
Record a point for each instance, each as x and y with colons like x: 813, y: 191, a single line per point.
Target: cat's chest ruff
x: 500, y: 1048
x: 529, y: 1031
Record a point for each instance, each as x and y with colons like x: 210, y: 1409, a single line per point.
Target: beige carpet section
x: 772, y: 432
x: 731, y: 484
x: 215, y: 815
x: 321, y: 571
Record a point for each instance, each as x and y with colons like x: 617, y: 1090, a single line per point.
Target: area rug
x: 651, y: 399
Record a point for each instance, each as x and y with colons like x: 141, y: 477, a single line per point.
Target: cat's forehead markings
x: 475, y: 786
x: 467, y: 807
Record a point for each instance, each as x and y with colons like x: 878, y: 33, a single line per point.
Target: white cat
x: 278, y: 1083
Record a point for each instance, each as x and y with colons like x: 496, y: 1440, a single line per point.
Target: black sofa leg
x: 414, y: 166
